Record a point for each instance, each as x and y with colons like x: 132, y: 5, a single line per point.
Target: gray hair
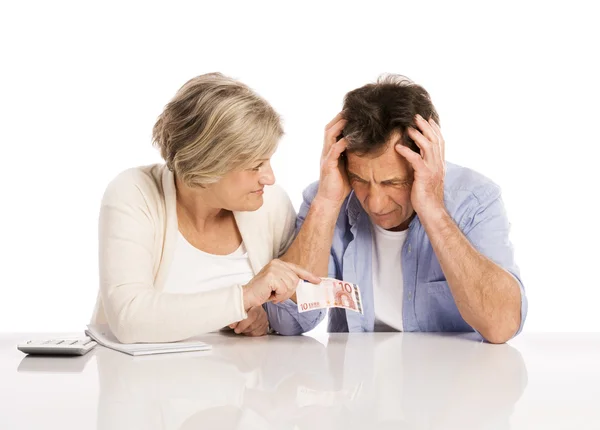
x: 375, y: 111
x: 212, y: 126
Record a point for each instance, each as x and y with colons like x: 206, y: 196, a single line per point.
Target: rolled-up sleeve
x: 286, y: 320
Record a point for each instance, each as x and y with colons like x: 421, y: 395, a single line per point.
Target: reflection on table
x: 383, y: 380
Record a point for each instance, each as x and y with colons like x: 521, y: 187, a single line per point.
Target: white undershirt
x: 193, y: 271
x: 388, y: 284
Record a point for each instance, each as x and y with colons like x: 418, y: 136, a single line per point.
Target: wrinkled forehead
x: 383, y: 164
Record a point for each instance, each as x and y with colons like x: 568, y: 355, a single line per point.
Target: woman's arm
x: 135, y: 310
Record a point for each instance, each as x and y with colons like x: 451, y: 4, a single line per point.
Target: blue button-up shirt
x: 473, y: 201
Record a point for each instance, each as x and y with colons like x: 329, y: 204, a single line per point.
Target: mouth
x: 383, y: 215
x: 259, y: 192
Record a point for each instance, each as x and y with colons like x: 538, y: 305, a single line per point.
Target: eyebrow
x: 354, y: 175
x: 385, y: 181
x: 396, y: 179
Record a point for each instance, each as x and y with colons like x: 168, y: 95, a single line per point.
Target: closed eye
x: 357, y: 179
x: 353, y: 177
x: 395, y: 183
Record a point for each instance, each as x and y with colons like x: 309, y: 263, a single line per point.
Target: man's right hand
x: 276, y: 282
x: 334, y: 186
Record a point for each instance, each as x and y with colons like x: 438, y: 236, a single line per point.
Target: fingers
x: 429, y: 150
x: 338, y: 147
x: 260, y: 330
x: 333, y: 121
x: 304, y: 274
x: 282, y: 278
x: 435, y: 126
x: 335, y: 130
x: 256, y: 324
x: 438, y: 131
x: 291, y: 281
x: 283, y: 291
x: 419, y: 140
x: 234, y: 325
x: 281, y: 281
x: 243, y: 325
x: 425, y: 128
x: 251, y: 327
x: 426, y: 138
x: 331, y: 135
x: 286, y: 288
x: 411, y: 156
x: 333, y: 156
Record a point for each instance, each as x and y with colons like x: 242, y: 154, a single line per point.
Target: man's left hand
x: 257, y: 323
x: 427, y: 195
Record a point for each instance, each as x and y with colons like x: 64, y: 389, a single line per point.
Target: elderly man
x: 426, y: 240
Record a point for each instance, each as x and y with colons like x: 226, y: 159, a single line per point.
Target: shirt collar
x: 353, y: 208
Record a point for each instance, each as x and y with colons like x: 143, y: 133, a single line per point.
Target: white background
x: 516, y: 86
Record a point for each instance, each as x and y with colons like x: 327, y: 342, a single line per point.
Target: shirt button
x: 409, y: 296
x: 409, y: 249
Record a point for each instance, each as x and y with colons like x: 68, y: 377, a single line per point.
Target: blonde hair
x: 212, y: 126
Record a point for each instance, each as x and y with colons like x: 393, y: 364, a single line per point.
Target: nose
x: 377, y: 200
x: 267, y: 177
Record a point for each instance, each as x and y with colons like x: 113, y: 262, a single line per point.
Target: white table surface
x: 339, y: 381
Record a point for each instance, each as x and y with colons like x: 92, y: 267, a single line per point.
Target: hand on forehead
x: 382, y: 165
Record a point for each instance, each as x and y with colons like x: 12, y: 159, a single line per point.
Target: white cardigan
x: 137, y: 236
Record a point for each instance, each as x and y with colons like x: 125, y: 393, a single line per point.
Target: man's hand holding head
x: 333, y: 182
x: 427, y: 195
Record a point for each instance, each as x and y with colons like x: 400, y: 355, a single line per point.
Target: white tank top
x: 194, y: 271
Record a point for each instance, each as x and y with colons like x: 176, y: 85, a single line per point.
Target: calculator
x: 71, y: 346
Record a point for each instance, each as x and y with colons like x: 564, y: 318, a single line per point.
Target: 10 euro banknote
x: 330, y: 293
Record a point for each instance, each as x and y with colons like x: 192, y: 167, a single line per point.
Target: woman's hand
x: 257, y: 323
x: 276, y: 283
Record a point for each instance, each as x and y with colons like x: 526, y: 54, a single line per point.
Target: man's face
x: 382, y: 183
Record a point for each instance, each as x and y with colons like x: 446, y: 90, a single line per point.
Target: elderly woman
x: 191, y: 246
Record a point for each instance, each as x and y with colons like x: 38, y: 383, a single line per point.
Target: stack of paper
x: 101, y: 333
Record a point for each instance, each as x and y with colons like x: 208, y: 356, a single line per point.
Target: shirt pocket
x: 436, y: 308
x: 438, y: 287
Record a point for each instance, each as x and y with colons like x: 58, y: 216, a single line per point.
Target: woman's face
x: 242, y: 190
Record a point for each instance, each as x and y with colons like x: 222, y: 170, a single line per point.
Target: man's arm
x: 487, y: 296
x: 311, y: 248
x: 310, y: 252
x: 315, y: 226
